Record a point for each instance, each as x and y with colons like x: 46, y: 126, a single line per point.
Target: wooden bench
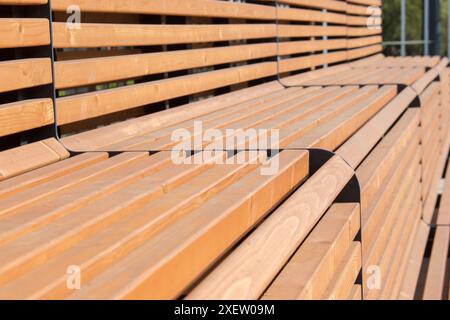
x: 26, y: 108
x: 436, y: 285
x: 140, y: 226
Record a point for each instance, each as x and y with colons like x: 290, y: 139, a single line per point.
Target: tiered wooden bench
x: 140, y: 226
x: 436, y: 285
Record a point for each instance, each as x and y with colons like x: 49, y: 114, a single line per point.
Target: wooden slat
x: 289, y: 14
x: 356, y: 293
x: 361, y: 42
x: 95, y: 139
x: 26, y: 158
x: 360, y: 144
x: 26, y: 73
x: 388, y: 245
x: 362, y: 52
x: 22, y: 2
x: 332, y: 134
x: 92, y: 35
x: 358, y: 9
x: 347, y: 272
x: 309, y: 272
x: 85, y: 176
x: 23, y: 32
x: 376, y: 168
x: 48, y: 173
x: 404, y: 262
x: 89, y: 105
x: 202, y: 8
x: 376, y: 210
x: 306, y: 62
x: 273, y: 242
x: 414, y: 263
x: 443, y: 217
x: 25, y: 115
x: 98, y: 70
x: 293, y: 167
x: 80, y: 225
x: 283, y: 113
x: 326, y: 4
x: 115, y: 35
x: 367, y: 2
x: 196, y: 8
x: 438, y: 268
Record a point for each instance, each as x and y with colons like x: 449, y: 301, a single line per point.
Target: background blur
x: 423, y: 22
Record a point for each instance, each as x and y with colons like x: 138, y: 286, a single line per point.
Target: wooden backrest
x: 127, y: 59
x: 25, y: 69
x: 337, y: 31
x: 134, y: 57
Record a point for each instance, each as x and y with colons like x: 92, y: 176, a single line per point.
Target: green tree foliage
x: 414, y: 25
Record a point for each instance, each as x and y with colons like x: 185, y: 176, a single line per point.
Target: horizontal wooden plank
x: 325, y: 4
x: 201, y: 8
x: 48, y: 173
x: 332, y: 134
x: 311, y: 61
x: 367, y: 2
x: 98, y: 70
x: 28, y: 157
x: 360, y: 42
x: 92, y: 35
x: 362, y: 10
x: 25, y: 73
x: 360, y: 32
x: 89, y: 105
x: 25, y: 115
x: 195, y: 8
x: 23, y: 2
x: 102, y: 137
x: 276, y: 113
x: 24, y: 32
x: 310, y: 15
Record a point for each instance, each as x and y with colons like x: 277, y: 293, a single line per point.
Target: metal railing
x: 431, y: 26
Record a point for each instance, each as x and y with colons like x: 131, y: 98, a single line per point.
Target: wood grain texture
x: 26, y: 73
x: 24, y: 32
x: 309, y: 272
x: 275, y: 240
x: 26, y: 158
x: 25, y: 115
